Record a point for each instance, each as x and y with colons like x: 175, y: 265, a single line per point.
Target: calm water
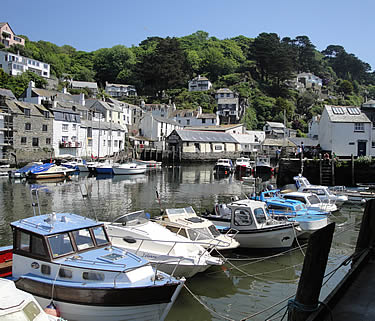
x: 245, y: 286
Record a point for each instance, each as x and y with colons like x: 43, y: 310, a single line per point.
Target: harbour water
x: 248, y: 287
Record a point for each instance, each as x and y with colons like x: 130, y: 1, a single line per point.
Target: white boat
x: 70, y: 260
x: 49, y: 170
x: 185, y: 222
x: 128, y: 169
x: 243, y: 164
x: 263, y: 163
x: 311, y: 200
x: 324, y: 193
x: 166, y: 250
x: 17, y: 305
x: 224, y: 165
x: 256, y: 228
x: 354, y: 194
x: 149, y: 164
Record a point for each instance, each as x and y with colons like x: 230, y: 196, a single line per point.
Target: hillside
x: 259, y: 69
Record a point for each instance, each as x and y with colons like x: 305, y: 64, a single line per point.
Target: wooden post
x: 320, y: 169
x: 311, y: 280
x: 333, y: 172
x: 353, y: 180
x: 366, y: 236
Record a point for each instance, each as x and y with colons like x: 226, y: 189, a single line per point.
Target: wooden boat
x: 59, y: 254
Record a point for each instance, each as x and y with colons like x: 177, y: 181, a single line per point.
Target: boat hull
x: 104, y: 170
x: 108, y: 303
x: 128, y: 171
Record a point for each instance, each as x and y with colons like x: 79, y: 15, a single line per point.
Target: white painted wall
x: 70, y: 132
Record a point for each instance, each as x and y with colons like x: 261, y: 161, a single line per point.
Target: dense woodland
x: 257, y: 68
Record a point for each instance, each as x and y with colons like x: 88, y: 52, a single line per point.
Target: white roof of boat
x: 246, y: 203
x: 185, y: 215
x: 54, y: 223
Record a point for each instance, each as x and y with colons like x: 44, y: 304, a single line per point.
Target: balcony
x: 70, y: 144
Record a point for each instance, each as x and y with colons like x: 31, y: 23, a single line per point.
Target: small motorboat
x: 263, y: 164
x: 256, y: 228
x: 310, y: 220
x: 354, y: 194
x: 128, y: 169
x: 20, y: 305
x: 243, y: 165
x: 224, y: 165
x: 311, y: 200
x: 69, y: 259
x: 22, y: 172
x: 149, y: 164
x: 324, y: 193
x: 104, y: 168
x: 186, y: 222
x: 49, y: 170
x: 166, y: 250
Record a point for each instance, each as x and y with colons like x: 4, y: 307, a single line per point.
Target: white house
x: 14, y: 64
x: 157, y: 128
x: 189, y: 117
x: 309, y: 80
x: 346, y: 131
x: 120, y: 90
x: 313, y: 131
x: 250, y: 141
x: 101, y: 138
x: 274, y: 129
x: 199, y: 84
x: 158, y: 110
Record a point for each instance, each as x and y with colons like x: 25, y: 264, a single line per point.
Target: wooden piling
x: 320, y: 169
x: 333, y: 172
x: 353, y: 180
x: 310, y: 283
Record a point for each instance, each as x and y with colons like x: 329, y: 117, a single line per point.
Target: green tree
x: 250, y: 119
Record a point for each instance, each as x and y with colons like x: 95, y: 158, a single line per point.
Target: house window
x: 203, y: 120
x: 27, y: 126
x: 26, y: 112
x: 89, y: 143
x: 188, y: 122
x: 74, y: 126
x: 35, y: 141
x: 119, y: 133
x: 65, y: 127
x: 46, y: 114
x: 109, y: 143
x: 103, y: 142
x: 23, y: 140
x: 372, y: 144
x: 44, y: 128
x: 48, y: 141
x: 212, y: 120
x: 359, y: 127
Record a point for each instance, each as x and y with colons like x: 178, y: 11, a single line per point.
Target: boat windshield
x: 134, y: 218
x: 60, y: 244
x: 214, y: 231
x: 199, y: 234
x: 260, y: 215
x: 100, y: 236
x: 313, y: 199
x: 29, y: 313
x: 83, y: 239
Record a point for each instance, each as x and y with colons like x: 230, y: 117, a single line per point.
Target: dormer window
x: 26, y: 112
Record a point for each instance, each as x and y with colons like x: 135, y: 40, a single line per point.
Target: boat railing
x: 232, y: 232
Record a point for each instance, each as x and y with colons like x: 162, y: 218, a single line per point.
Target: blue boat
x: 68, y: 259
x: 295, y: 211
x: 22, y: 172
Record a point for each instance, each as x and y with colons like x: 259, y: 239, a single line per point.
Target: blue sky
x: 92, y: 24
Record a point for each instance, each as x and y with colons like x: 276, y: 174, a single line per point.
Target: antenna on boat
x: 34, y: 192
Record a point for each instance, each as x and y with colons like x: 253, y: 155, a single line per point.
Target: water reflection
x: 244, y: 286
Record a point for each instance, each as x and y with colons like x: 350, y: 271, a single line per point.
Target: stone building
x: 29, y: 129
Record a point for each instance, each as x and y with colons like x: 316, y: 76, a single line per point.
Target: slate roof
x: 345, y: 116
x: 275, y: 124
x: 103, y: 125
x: 166, y: 120
x: 223, y: 90
x: 18, y: 107
x: 84, y: 84
x: 217, y: 128
x: 7, y: 93
x: 307, y: 142
x: 208, y: 116
x: 204, y: 136
x: 278, y: 142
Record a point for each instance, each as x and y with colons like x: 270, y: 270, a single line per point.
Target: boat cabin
x: 50, y: 237
x: 185, y: 222
x: 248, y: 214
